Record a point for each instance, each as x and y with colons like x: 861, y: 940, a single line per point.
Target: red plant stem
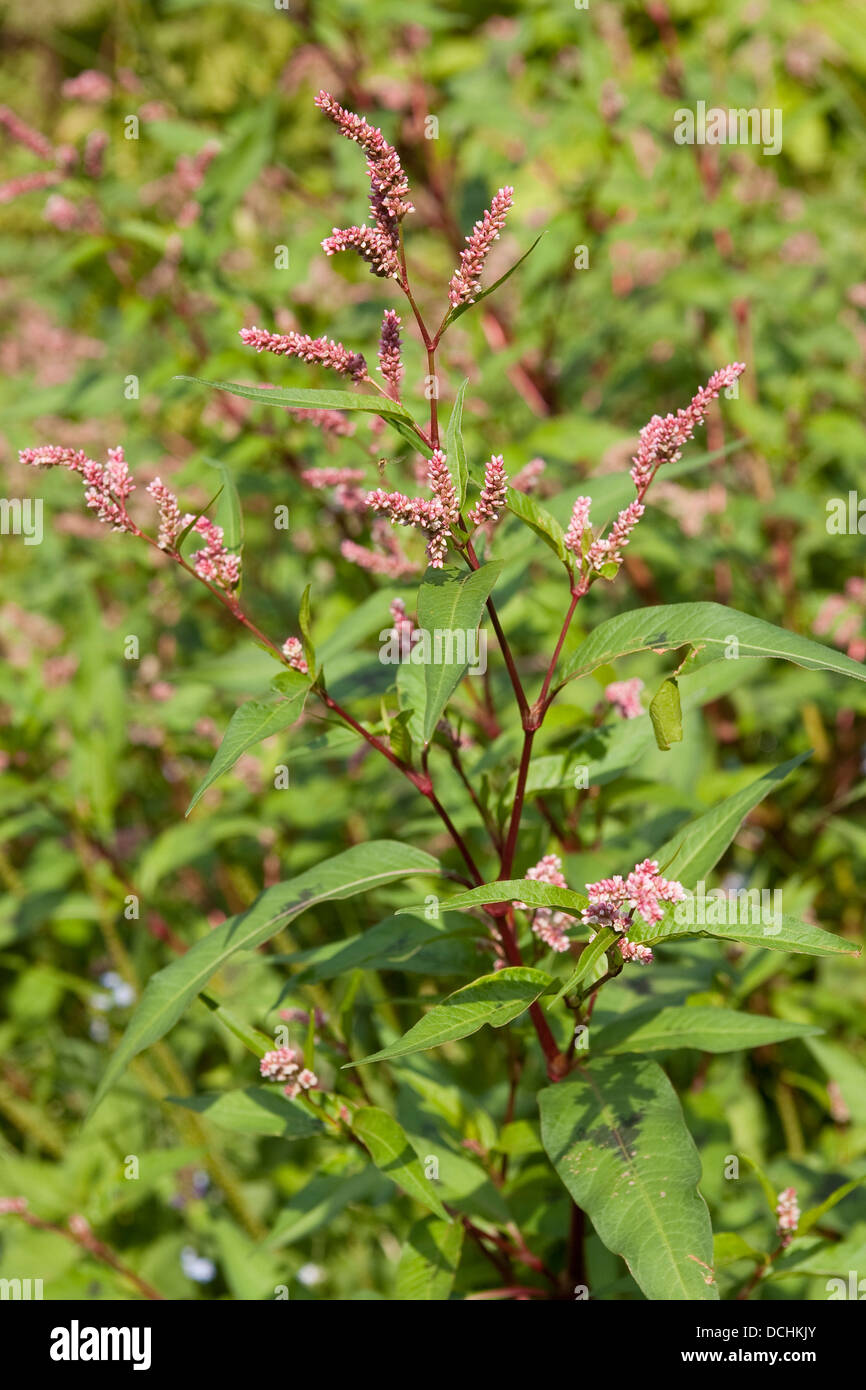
x: 97, y: 1248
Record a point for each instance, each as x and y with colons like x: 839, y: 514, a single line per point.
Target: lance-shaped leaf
x: 545, y: 526
x: 708, y: 1029
x: 302, y: 398
x: 692, y: 852
x: 784, y: 934
x: 454, y: 447
x: 254, y: 1110
x: 390, y: 1150
x: 229, y: 515
x: 429, y: 1260
x: 616, y: 1136
x: 811, y: 1217
x: 254, y: 721
x: 589, y: 959
x: 356, y: 870
x: 721, y: 631
x: 510, y: 890
x: 495, y: 999
x: 450, y: 605
x: 461, y: 309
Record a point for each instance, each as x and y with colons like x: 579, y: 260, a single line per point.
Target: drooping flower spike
x: 323, y: 351
x: 109, y: 485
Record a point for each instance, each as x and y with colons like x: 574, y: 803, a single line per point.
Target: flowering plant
x: 546, y: 955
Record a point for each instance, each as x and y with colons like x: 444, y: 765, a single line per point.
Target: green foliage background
x: 695, y: 258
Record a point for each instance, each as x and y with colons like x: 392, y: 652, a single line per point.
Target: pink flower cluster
x: 293, y: 651
x: 404, y: 628
x: 390, y: 352
x: 788, y: 1214
x: 107, y: 485
x: 492, y: 498
x: 663, y: 438
x: 660, y: 442
x: 323, y: 351
x: 547, y: 923
x: 90, y: 86
x: 625, y: 697
x: 377, y: 250
x: 389, y: 193
x: 613, y: 901
x: 171, y: 522
x: 284, y: 1064
x: 466, y: 280
x: 390, y: 560
x: 214, y: 562
x: 435, y: 516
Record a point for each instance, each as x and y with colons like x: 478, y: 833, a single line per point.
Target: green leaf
x: 463, y: 308
x: 394, y: 1156
x: 521, y: 505
x: 410, y: 943
x: 305, y: 624
x: 454, y: 447
x: 616, y: 1136
x: 254, y: 1110
x: 710, y: 625
x: 495, y: 999
x: 256, y: 1042
x: 811, y: 1217
x: 691, y: 853
x: 302, y: 398
x: 509, y: 890
x: 230, y: 515
x: 450, y: 603
x: 729, y: 1248
x: 356, y: 870
x: 589, y: 959
x: 666, y: 714
x: 252, y: 722
x: 789, y: 934
x: 766, y: 1186
x: 429, y: 1261
x: 321, y: 1200
x: 708, y: 1029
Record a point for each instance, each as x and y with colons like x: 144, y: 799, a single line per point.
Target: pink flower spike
x: 625, y: 697
x: 661, y: 441
x: 323, y: 351
x: 577, y: 525
x: 294, y: 654
x: 372, y: 246
x: 466, y: 280
x: 214, y: 563
x: 90, y: 86
x: 788, y: 1214
x: 441, y: 485
x: 23, y: 134
x: 389, y: 187
x: 28, y: 183
x: 170, y: 524
x: 633, y: 950
x: 390, y: 352
x: 527, y: 479
x: 492, y: 498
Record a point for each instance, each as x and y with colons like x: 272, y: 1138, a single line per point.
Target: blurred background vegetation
x: 140, y: 262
